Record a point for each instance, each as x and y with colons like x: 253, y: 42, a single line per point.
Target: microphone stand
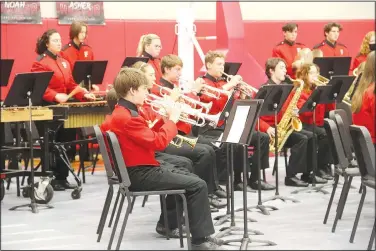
x: 32, y: 204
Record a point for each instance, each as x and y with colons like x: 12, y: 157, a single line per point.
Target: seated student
x: 308, y: 73
x: 214, y: 62
x: 203, y: 155
x: 368, y: 45
x: 363, y: 102
x: 138, y: 145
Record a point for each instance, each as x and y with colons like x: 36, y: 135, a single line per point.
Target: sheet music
x: 238, y: 124
x: 218, y: 142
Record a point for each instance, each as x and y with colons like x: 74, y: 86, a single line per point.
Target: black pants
x: 167, y: 177
x: 57, y: 165
x: 203, y: 158
x: 264, y: 157
x: 324, y: 154
x: 179, y: 162
x: 300, y: 144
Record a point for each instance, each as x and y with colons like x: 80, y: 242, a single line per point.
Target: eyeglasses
x: 55, y: 40
x: 158, y: 46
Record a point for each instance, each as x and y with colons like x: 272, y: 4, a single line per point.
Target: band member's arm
x: 49, y: 94
x: 263, y: 126
x: 71, y: 85
x: 303, y: 98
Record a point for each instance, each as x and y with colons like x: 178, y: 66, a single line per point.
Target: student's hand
x: 235, y: 80
x: 295, y: 112
x: 198, y: 85
x: 95, y: 88
x: 175, y: 94
x: 89, y: 96
x: 174, y: 113
x: 271, y: 132
x: 61, y: 97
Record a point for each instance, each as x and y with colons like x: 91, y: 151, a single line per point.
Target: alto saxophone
x: 289, y: 121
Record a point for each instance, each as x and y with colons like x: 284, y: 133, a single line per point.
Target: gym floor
x: 72, y: 224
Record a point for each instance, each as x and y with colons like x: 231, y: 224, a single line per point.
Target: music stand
x: 231, y: 68
x: 319, y: 96
x: 6, y: 68
x: 341, y: 84
x: 238, y: 131
x: 91, y: 72
x: 333, y: 66
x: 276, y: 99
x: 28, y: 89
x: 129, y: 61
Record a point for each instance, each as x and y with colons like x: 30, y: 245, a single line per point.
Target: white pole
x: 185, y: 29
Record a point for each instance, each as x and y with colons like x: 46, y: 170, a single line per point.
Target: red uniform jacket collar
x: 130, y: 106
x: 50, y: 54
x: 289, y: 42
x: 166, y: 83
x: 145, y: 54
x: 211, y: 78
x: 330, y: 44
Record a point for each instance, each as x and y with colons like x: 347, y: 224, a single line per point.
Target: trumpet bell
x: 179, y: 140
x: 320, y: 81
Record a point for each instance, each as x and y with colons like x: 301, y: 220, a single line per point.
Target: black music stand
x: 231, y: 68
x: 6, y: 68
x: 341, y: 84
x: 333, y: 66
x: 91, y: 72
x: 28, y: 89
x: 276, y: 99
x: 129, y: 61
x: 319, y: 96
x: 238, y: 131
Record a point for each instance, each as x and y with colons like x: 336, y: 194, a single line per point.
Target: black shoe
x: 324, y: 175
x: 221, y: 193
x: 57, y: 185
x: 216, y: 202
x: 239, y: 187
x: 309, y: 179
x: 295, y: 182
x: 264, y: 186
x: 68, y: 185
x: 174, y: 233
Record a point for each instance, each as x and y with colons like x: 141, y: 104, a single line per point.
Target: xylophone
x: 21, y: 114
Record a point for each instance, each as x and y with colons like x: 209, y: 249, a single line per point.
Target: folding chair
x: 125, y: 183
x: 365, y: 154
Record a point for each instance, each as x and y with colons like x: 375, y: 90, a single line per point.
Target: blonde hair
x: 170, y: 61
x: 212, y: 55
x: 367, y: 78
x: 305, y: 54
x: 141, y: 66
x: 145, y: 40
x: 317, y: 53
x: 364, y: 47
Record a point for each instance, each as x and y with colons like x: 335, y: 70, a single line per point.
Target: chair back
x: 364, y: 150
x: 345, y: 136
x: 345, y: 109
x: 346, y: 119
x: 335, y: 142
x: 105, y: 153
x: 118, y: 160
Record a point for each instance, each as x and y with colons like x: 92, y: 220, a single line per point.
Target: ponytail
x: 42, y: 41
x: 145, y: 40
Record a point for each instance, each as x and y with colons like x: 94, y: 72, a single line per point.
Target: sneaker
x: 174, y: 233
x: 208, y: 245
x: 221, y: 193
x: 216, y: 202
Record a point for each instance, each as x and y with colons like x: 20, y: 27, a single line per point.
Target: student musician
x: 203, y: 155
x: 300, y: 143
x: 308, y: 73
x: 61, y: 84
x: 288, y: 48
x: 214, y: 62
x: 150, y: 46
x: 76, y: 49
x: 363, y: 100
x: 138, y: 144
x: 330, y: 46
x: 368, y: 45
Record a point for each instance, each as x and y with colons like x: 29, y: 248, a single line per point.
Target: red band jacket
x: 332, y: 50
x: 156, y: 64
x: 73, y: 52
x: 287, y: 51
x: 62, y: 79
x: 137, y: 141
x: 360, y: 58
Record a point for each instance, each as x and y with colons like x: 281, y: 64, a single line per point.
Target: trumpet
x: 321, y: 81
x: 213, y: 92
x: 245, y: 88
x: 179, y: 140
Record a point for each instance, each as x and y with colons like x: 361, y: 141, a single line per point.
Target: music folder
x: 6, y: 68
x: 84, y: 70
x: 231, y: 68
x: 332, y: 66
x: 129, y: 61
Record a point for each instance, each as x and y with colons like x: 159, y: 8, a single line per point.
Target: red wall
x: 119, y: 38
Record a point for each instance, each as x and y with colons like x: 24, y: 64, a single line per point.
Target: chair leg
x: 356, y: 221
x: 116, y: 222
x: 110, y: 188
x: 114, y: 209
x: 360, y: 189
x: 178, y: 218
x: 106, y: 208
x: 372, y: 239
x: 346, y: 194
x: 336, y: 178
x: 95, y: 161
x: 127, y: 213
x: 186, y: 217
x: 144, y: 200
x: 341, y: 203
x: 165, y: 217
x: 132, y: 204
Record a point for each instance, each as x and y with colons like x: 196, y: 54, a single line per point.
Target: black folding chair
x: 125, y: 183
x: 341, y: 164
x: 365, y: 154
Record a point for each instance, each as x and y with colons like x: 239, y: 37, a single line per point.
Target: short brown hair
x: 328, y: 27
x: 289, y: 27
x: 75, y: 29
x: 170, y: 61
x: 129, y: 78
x: 112, y: 98
x: 271, y: 63
x: 212, y: 55
x: 140, y: 66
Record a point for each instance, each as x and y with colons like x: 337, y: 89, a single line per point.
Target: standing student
x: 330, y: 46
